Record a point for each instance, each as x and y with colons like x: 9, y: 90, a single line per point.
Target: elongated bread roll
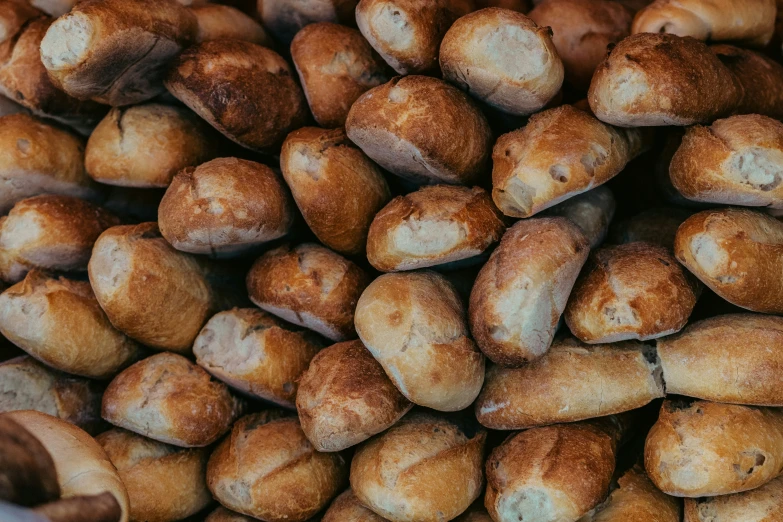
x: 761, y: 78
x: 347, y: 508
x: 284, y: 18
x: 763, y: 504
x: 559, y: 154
x: 591, y: 211
x: 216, y: 21
x: 28, y: 475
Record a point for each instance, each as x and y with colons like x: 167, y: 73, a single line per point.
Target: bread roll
x: 336, y: 186
x: 164, y: 483
x: 414, y: 324
x: 225, y: 207
x: 344, y: 398
x: 662, y: 79
x: 560, y: 153
x: 267, y: 469
x: 336, y: 65
x: 217, y: 22
x: 432, y: 226
x: 656, y: 225
x: 571, y: 382
x: 705, y: 448
x: 53, y: 7
x: 310, y: 286
x: 591, y: 211
x: 480, y: 54
x: 750, y: 23
x: 26, y: 384
x: 763, y: 504
x: 423, y: 130
x: 760, y: 76
x: 552, y: 473
x: 737, y: 253
x: 116, y: 52
x: 519, y: 295
x: 477, y: 512
x: 37, y: 158
x: 28, y: 475
x: 169, y: 399
x: 284, y: 18
x: 426, y: 468
x: 347, y: 508
x: 631, y: 291
x: 260, y: 101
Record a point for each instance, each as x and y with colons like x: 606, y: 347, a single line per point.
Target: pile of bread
x: 404, y: 260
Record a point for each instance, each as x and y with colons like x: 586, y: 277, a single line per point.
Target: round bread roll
x: 28, y: 475
x: 83, y: 469
x: 26, y: 384
x: 750, y: 23
x: 631, y: 291
x: 432, y: 226
x: 216, y: 22
x: 536, y: 167
x: 581, y: 32
x: 414, y: 325
x: 164, y: 483
x: 737, y: 254
x: 426, y: 468
x: 735, y: 161
x: 116, y: 52
x: 571, y: 382
x: 50, y: 232
x: 255, y: 353
x: 705, y: 448
x: 347, y: 508
x: 284, y: 18
x: 763, y: 504
x: 336, y: 186
x: 225, y: 207
x: 260, y: 101
x: 656, y: 225
x: 480, y: 54
x: 761, y: 78
x: 591, y: 211
x: 336, y: 65
x: 636, y: 499
x: 519, y: 295
x: 662, y: 79
x: 60, y: 323
x: 407, y: 33
x: 423, y: 130
x: 144, y: 146
x: 267, y: 469
x: 344, y: 398
x: 149, y: 291
x: 38, y: 158
x: 169, y: 399
x: 310, y: 286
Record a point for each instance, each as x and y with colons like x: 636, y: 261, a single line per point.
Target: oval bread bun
x: 762, y: 504
x: 636, y: 499
x: 28, y: 474
x: 284, y: 18
x: 761, y: 78
x: 591, y: 211
x: 347, y: 508
x: 216, y: 22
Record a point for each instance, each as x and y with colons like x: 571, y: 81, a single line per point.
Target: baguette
x: 591, y: 211
x: 284, y: 18
x: 216, y: 21
x: 760, y: 76
x: 347, y: 508
x: 763, y: 504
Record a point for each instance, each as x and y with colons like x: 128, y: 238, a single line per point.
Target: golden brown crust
x: 336, y: 186
x: 763, y: 504
x: 761, y: 79
x: 216, y: 21
x: 284, y: 18
x: 347, y: 508
x: 636, y: 499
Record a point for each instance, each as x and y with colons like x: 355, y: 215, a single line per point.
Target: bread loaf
x: 116, y: 52
x: 216, y: 22
x: 414, y: 324
x: 760, y: 76
x: 591, y: 211
x: 28, y: 475
x: 662, y: 79
x: 520, y: 293
x: 284, y: 18
x: 421, y: 129
x: 347, y: 508
x: 763, y: 504
x: 336, y: 186
x: 656, y: 225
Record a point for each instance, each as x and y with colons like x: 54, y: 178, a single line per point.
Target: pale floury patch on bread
x: 591, y: 211
x: 763, y: 504
x: 217, y: 21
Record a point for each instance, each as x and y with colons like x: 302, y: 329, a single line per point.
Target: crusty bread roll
x: 737, y: 253
x: 261, y: 101
x: 480, y: 54
x: 225, y: 207
x: 560, y: 153
x: 310, y: 286
x: 38, y: 158
x: 662, y: 79
x: 735, y: 161
x: 631, y: 291
x: 116, y: 52
x: 266, y: 468
x: 519, y: 295
x: 60, y: 323
x: 761, y: 78
x: 347, y: 508
x: 26, y: 384
x: 571, y: 382
x: 164, y: 483
x: 426, y: 468
x: 336, y: 65
x: 255, y: 353
x: 216, y: 21
x: 763, y: 504
x: 422, y: 129
x: 656, y: 225
x: 751, y: 22
x: 145, y: 145
x: 706, y: 448
x: 53, y: 7
x: 344, y: 398
x: 414, y: 324
x: 27, y: 476
x: 336, y: 186
x: 83, y: 469
x: 591, y: 211
x: 581, y: 32
x: 284, y: 18
x: 169, y: 399
x: 432, y: 226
